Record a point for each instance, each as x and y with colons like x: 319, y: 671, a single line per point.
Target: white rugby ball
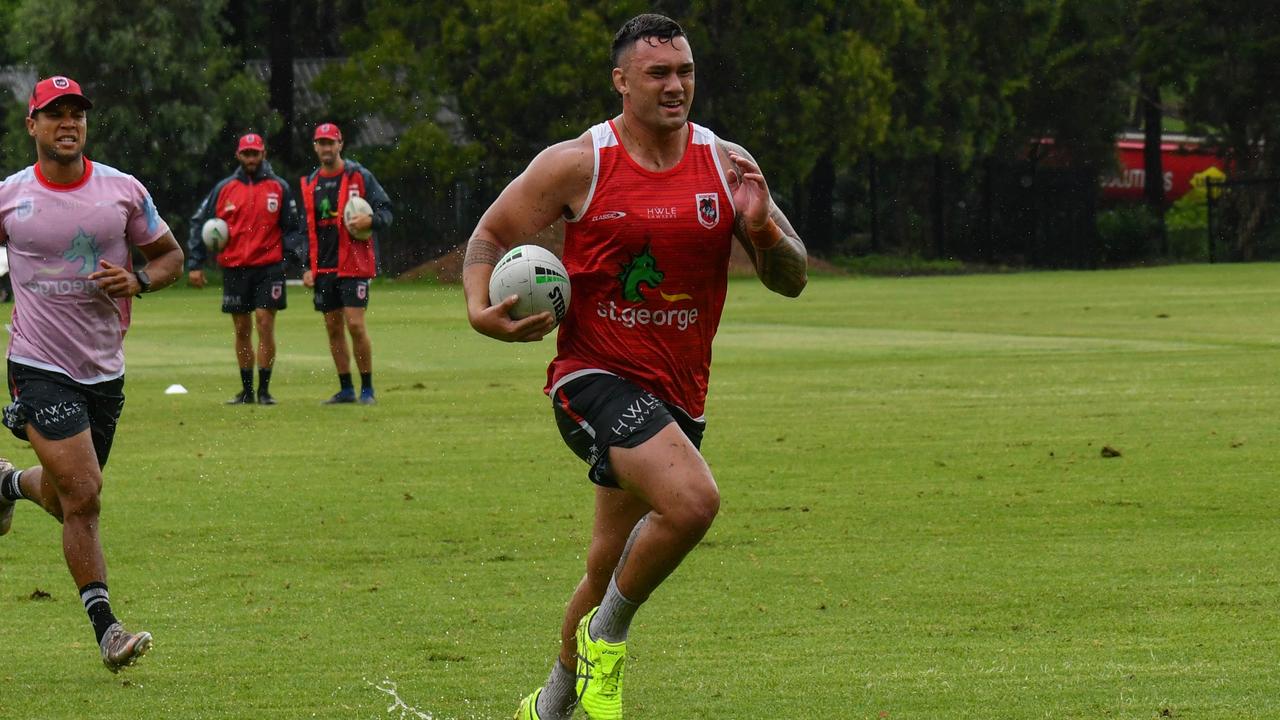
x: 357, y: 206
x: 215, y: 234
x: 536, y: 276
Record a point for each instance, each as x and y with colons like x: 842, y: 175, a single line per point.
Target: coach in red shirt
x: 262, y: 221
x: 342, y: 264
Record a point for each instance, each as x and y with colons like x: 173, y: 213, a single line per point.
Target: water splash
x: 398, y: 704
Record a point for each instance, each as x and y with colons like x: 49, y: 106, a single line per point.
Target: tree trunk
x: 281, y: 55
x: 1153, y: 162
x: 939, y: 209
x: 873, y: 194
x: 822, y: 183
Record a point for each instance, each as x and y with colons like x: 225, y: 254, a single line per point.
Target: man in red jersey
x: 262, y: 222
x: 651, y: 203
x: 341, y: 263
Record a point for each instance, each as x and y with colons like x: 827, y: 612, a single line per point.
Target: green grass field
x: 917, y: 518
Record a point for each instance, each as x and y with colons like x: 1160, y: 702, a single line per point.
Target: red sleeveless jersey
x: 648, y: 260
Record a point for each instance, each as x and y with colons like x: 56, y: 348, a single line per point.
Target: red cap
x: 52, y: 88
x: 328, y: 130
x: 252, y: 141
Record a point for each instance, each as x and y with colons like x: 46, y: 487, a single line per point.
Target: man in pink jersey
x: 70, y: 226
x: 651, y: 204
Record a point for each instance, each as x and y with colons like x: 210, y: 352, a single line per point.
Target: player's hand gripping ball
x: 214, y: 233
x: 357, y: 206
x: 536, y: 276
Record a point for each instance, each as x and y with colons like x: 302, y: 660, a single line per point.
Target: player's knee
x: 81, y: 501
x: 698, y: 510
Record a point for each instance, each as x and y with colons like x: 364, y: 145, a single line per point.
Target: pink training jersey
x: 56, y: 235
x: 648, y: 258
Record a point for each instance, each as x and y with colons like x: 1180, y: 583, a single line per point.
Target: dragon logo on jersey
x: 708, y: 209
x: 326, y: 209
x: 84, y: 249
x: 642, y: 270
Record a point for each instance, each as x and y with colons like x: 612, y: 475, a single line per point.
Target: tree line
x: 887, y: 126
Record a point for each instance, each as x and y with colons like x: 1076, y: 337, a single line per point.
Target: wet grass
x: 918, y: 517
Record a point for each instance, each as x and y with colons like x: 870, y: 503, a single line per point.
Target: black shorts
x: 335, y: 293
x: 245, y: 289
x: 599, y: 411
x: 59, y: 407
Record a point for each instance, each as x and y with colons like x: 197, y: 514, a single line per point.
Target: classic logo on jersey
x: 228, y: 208
x: 708, y: 209
x: 610, y: 215
x: 84, y: 248
x: 642, y: 270
x: 273, y: 202
x: 25, y: 209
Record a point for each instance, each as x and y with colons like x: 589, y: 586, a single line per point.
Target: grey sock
x: 559, y: 695
x: 613, y: 619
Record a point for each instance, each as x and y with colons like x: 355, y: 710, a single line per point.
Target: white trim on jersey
x: 601, y: 136
x: 577, y: 374
x: 597, y: 371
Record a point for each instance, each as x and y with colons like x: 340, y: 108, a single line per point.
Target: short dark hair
x: 649, y: 25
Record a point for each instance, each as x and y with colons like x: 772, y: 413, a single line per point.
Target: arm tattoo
x: 481, y: 251
x: 782, y: 268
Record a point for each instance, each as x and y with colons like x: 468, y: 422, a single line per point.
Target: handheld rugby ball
x: 536, y: 276
x: 215, y: 233
x: 357, y: 206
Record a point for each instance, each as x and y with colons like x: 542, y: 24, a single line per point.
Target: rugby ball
x: 536, y: 276
x: 357, y: 206
x: 215, y: 234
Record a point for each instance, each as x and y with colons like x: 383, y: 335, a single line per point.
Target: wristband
x: 766, y: 237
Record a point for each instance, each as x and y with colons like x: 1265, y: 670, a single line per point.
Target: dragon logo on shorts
x: 642, y: 270
x: 84, y: 249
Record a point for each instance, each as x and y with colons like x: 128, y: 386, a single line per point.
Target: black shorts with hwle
x: 598, y: 411
x: 59, y: 407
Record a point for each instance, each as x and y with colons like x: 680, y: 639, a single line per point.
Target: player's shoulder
x: 22, y: 177
x: 567, y: 160
x: 724, y: 147
x: 107, y: 173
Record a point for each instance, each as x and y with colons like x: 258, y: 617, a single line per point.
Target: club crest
x: 708, y: 209
x: 273, y: 202
x: 25, y: 209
